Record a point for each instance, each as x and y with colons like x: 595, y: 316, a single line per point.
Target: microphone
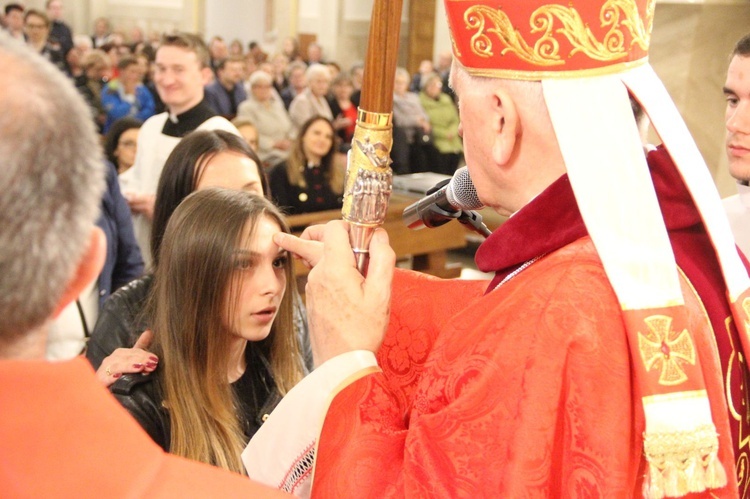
x: 448, y: 200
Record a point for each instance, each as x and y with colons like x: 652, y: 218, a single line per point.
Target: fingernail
x: 154, y: 359
x: 151, y: 364
x: 138, y: 366
x: 116, y: 375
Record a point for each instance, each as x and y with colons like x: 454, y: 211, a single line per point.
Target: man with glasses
x: 37, y: 29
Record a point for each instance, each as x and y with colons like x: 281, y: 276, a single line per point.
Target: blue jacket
x: 218, y: 98
x: 124, y: 261
x: 117, y: 107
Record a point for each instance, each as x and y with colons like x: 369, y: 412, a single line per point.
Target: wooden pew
x: 425, y: 249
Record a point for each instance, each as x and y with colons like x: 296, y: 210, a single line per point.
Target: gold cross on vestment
x: 664, y: 349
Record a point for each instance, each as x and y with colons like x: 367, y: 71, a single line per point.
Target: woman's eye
x: 243, y: 264
x: 281, y: 262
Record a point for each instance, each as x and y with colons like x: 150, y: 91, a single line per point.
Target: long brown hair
x: 193, y: 295
x: 297, y: 161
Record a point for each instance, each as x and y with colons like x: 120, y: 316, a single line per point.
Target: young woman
x: 202, y: 159
x: 224, y: 348
x: 310, y: 180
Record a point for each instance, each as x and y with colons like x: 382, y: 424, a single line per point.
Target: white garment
x: 737, y: 208
x: 67, y: 337
x: 273, y: 124
x: 153, y: 150
x: 305, y: 106
x: 281, y: 454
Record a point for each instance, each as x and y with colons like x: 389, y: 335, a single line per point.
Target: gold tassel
x: 696, y: 476
x: 675, y: 481
x: 653, y: 483
x: 716, y: 476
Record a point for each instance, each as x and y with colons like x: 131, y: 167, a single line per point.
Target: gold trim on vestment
x: 534, y: 75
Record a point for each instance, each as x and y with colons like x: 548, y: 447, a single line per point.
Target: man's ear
x: 88, y: 269
x: 208, y: 75
x: 505, y: 126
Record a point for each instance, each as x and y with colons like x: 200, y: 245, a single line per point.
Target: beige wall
x: 689, y: 51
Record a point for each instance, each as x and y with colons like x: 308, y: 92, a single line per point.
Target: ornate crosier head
x: 535, y: 39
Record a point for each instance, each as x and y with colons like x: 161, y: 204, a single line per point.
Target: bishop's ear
x: 505, y: 125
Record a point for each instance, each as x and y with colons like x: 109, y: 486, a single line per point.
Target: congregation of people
x: 177, y: 114
x: 190, y: 156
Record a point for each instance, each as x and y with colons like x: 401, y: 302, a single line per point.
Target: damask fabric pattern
x: 489, y: 381
x: 513, y: 396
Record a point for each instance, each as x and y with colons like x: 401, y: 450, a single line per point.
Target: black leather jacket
x: 122, y: 320
x: 143, y: 398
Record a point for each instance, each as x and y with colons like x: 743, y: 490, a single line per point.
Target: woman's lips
x: 266, y: 315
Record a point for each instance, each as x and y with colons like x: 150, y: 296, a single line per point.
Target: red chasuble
x: 527, y: 389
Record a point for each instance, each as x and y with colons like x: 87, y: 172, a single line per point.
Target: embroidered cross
x: 664, y: 349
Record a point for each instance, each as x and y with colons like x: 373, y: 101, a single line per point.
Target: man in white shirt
x: 182, y: 71
x: 737, y: 92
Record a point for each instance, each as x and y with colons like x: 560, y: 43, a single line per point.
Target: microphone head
x: 461, y: 192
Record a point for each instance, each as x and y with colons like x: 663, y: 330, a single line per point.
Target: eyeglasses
x: 36, y: 26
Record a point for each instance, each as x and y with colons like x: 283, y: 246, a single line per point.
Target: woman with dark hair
x: 221, y: 362
x: 121, y: 143
x: 210, y: 158
x: 310, y: 180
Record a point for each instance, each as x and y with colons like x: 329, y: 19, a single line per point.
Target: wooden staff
x: 367, y: 187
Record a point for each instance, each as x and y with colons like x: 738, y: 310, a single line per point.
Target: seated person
x: 343, y: 109
x: 312, y: 100
x: 127, y: 95
x: 248, y: 130
x: 411, y: 128
x: 121, y: 144
x: 310, y: 180
x: 447, y: 149
x: 266, y: 110
x: 225, y: 364
x: 206, y: 158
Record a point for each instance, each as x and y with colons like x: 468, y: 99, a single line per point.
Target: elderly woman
x: 265, y: 109
x: 312, y: 101
x: 411, y: 127
x: 444, y: 118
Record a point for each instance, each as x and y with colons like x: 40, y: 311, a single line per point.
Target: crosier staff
x: 368, y: 183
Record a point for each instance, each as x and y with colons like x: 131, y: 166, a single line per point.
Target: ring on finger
x: 109, y: 373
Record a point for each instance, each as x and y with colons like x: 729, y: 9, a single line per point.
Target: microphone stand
x: 473, y: 220
x: 470, y: 218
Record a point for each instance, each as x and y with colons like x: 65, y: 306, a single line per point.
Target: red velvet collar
x: 552, y: 219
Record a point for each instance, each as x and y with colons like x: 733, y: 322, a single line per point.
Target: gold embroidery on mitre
x: 746, y: 308
x: 617, y: 14
x: 664, y: 349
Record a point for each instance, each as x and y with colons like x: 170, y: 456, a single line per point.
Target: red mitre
x: 536, y: 39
